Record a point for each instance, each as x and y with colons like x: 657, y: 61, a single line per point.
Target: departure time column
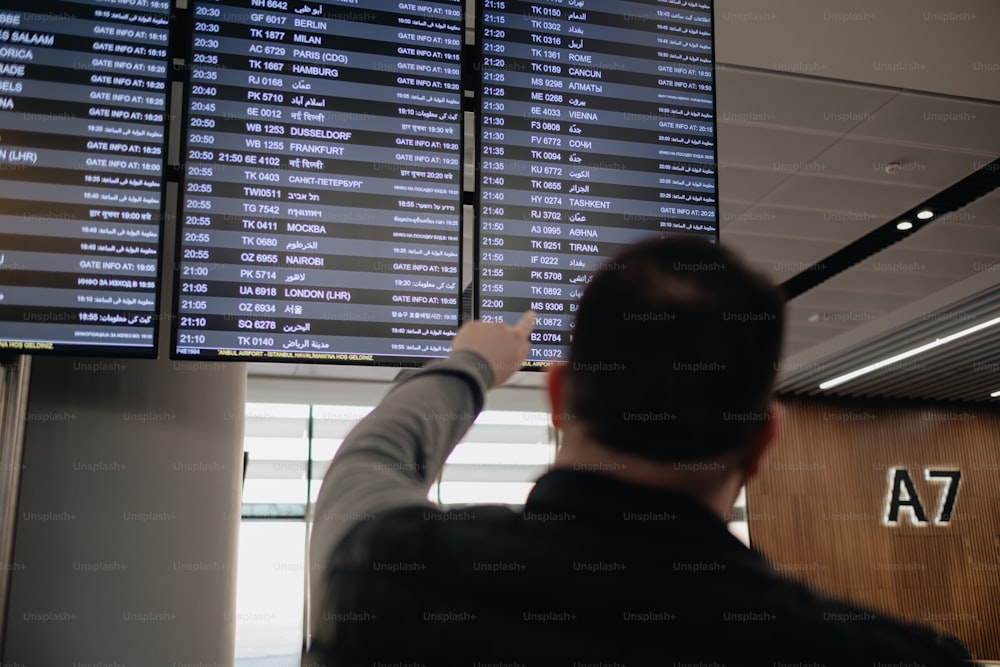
x: 523, y: 142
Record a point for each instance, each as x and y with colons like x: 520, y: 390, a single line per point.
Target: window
x: 498, y: 460
x: 277, y: 443
x: 270, y: 593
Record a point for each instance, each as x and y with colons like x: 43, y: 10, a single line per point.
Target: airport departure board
x: 322, y: 189
x: 596, y: 130
x: 83, y: 89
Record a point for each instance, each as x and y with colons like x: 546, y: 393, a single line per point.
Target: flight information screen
x: 596, y: 130
x: 83, y: 90
x: 322, y: 192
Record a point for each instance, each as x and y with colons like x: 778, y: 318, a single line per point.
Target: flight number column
x: 523, y: 172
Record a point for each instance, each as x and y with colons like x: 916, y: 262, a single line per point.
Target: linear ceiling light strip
x: 846, y: 377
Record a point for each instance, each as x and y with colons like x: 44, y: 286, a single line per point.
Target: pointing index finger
x: 526, y: 324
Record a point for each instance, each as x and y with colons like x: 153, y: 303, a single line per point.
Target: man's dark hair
x: 674, y: 351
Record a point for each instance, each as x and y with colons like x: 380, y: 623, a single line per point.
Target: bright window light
x: 275, y: 490
x: 277, y: 411
x: 740, y: 531
x: 501, y: 453
x: 513, y: 418
x: 269, y: 591
x: 829, y: 384
x: 325, y: 449
x: 505, y: 493
x: 277, y: 448
x: 350, y: 413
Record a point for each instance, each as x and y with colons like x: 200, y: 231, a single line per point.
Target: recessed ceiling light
x: 925, y: 214
x: 903, y: 225
x: 814, y: 317
x: 995, y: 394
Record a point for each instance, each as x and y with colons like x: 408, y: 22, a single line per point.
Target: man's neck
x: 713, y: 483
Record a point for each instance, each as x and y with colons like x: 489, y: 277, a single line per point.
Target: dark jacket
x: 593, y: 571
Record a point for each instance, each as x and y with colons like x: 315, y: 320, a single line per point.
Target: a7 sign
x: 900, y: 483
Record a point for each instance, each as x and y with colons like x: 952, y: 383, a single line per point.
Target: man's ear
x: 766, y: 434
x: 555, y: 382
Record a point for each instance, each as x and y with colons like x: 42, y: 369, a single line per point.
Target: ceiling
x: 814, y: 101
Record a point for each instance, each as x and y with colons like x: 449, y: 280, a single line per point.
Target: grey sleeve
x: 391, y: 458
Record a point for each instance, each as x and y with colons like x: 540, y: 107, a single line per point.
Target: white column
x: 126, y: 534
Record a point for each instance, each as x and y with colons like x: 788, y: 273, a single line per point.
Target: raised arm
x: 391, y: 458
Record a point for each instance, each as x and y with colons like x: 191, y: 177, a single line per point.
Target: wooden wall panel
x: 817, y: 510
